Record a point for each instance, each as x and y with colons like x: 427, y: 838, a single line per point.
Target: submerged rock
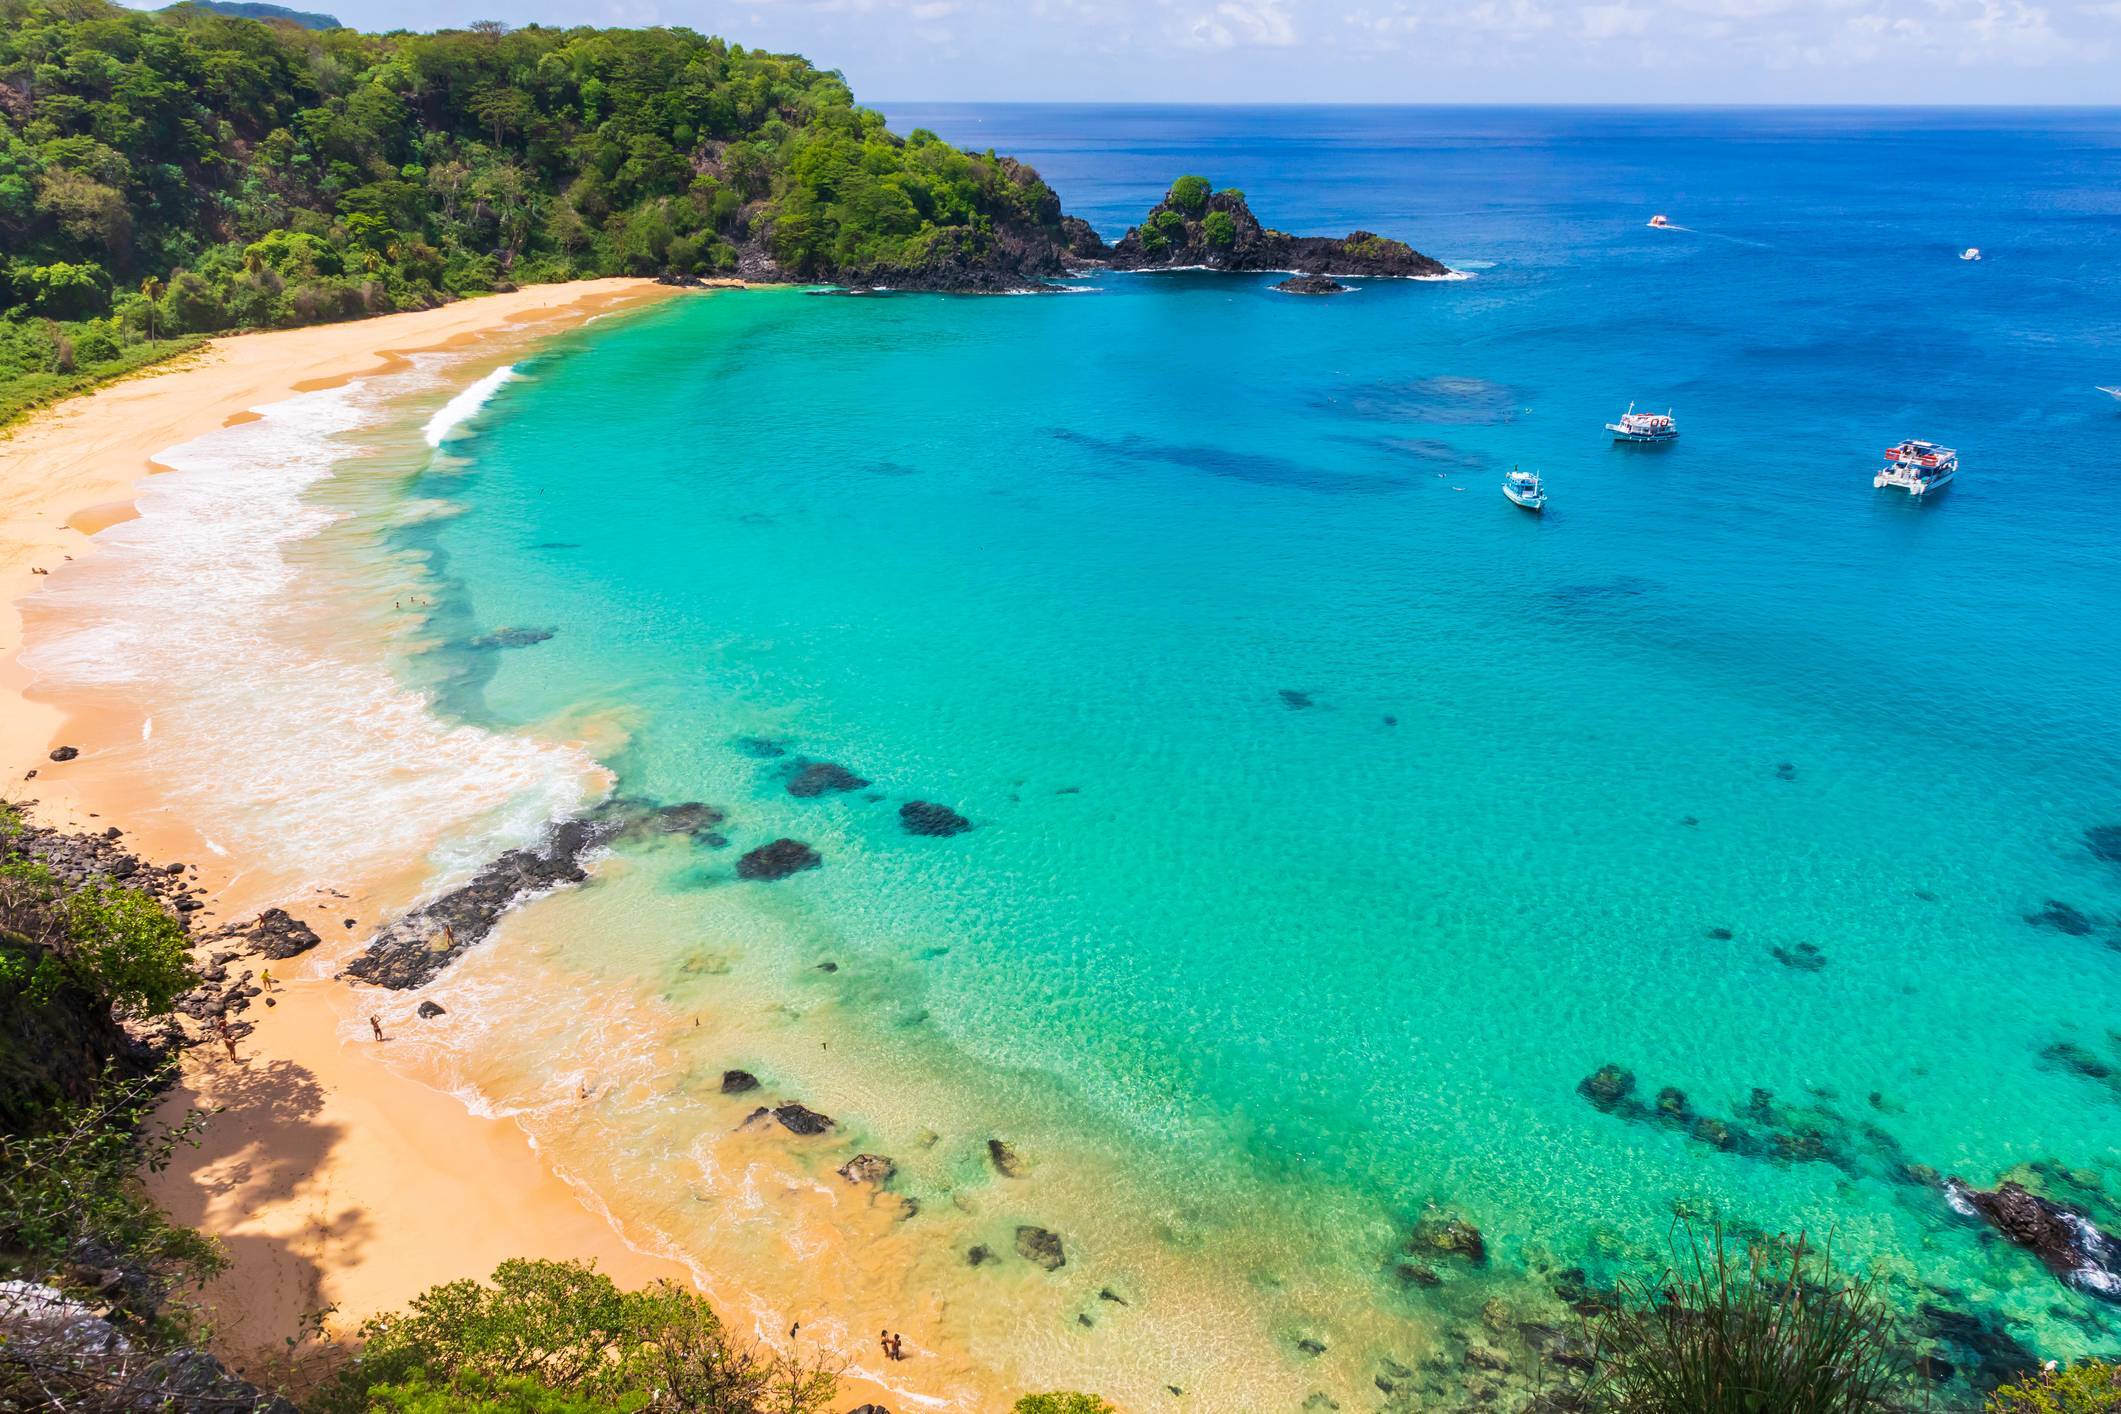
x: 923, y: 817
x: 511, y: 638
x: 2061, y: 917
x: 1036, y: 1244
x: 979, y: 1256
x: 279, y: 934
x: 1296, y: 700
x: 739, y: 1082
x: 1805, y: 957
x: 1608, y: 1087
x: 800, y: 1119
x: 2062, y: 1238
x: 1451, y: 1236
x: 760, y: 748
x: 1720, y: 935
x: 1004, y: 1159
x: 820, y: 777
x: 778, y: 860
x: 2104, y: 841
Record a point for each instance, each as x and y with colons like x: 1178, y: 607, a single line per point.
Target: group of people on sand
x: 894, y: 1344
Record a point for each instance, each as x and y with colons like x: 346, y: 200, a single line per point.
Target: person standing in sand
x: 228, y: 1037
x: 377, y: 1027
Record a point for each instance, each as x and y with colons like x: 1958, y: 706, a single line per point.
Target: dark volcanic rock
x: 799, y: 1119
x: 738, y: 1082
x: 2060, y: 1237
x: 279, y: 934
x: 778, y: 860
x: 1036, y: 1244
x: 429, y: 1010
x: 65, y: 753
x: 818, y: 777
x: 868, y: 1168
x: 410, y: 951
x: 924, y: 817
x: 1004, y: 1159
x: 1176, y: 237
x: 1311, y: 285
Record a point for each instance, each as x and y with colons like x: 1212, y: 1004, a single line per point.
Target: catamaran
x: 1525, y: 488
x: 1918, y: 467
x: 1644, y: 426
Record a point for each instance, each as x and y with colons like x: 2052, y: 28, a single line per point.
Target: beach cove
x: 1356, y: 870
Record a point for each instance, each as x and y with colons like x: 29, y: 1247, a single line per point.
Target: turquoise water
x: 1334, y: 818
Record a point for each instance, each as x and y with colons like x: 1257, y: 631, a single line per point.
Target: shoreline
x: 339, y: 1187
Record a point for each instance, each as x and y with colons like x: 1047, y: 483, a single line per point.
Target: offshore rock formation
x: 1311, y: 285
x: 1193, y: 227
x: 2062, y: 1238
x: 778, y: 860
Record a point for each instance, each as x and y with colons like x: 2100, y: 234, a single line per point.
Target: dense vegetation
x: 175, y: 173
x: 1777, y: 1329
x: 2089, y: 1387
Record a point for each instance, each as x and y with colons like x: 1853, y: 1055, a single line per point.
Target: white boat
x: 2114, y: 393
x: 1644, y: 426
x: 1972, y: 252
x: 1525, y: 488
x: 1659, y: 223
x: 1917, y: 467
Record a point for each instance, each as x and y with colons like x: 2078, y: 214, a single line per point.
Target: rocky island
x: 1194, y: 227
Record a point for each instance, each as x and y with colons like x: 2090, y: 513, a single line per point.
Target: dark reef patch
x: 2104, y: 841
x: 1296, y: 700
x: 2061, y: 917
x: 1036, y: 1244
x: 510, y: 638
x: 816, y: 778
x: 1255, y: 467
x: 760, y: 748
x: 1447, y: 400
x: 925, y: 817
x: 778, y: 860
x: 1805, y: 957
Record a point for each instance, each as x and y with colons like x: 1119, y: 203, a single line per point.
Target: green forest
x: 171, y: 174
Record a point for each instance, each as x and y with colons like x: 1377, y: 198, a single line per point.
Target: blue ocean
x: 1334, y: 822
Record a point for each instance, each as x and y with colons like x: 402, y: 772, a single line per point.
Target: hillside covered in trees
x: 180, y: 172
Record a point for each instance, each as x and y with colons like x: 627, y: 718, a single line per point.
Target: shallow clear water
x: 1334, y: 818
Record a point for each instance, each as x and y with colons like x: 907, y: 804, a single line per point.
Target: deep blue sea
x: 1333, y: 818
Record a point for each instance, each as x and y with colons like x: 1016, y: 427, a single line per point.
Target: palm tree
x: 153, y: 289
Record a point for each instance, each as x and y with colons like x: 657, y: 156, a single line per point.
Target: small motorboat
x: 1525, y: 488
x: 1644, y: 426
x: 1972, y: 252
x: 2114, y: 393
x: 1917, y: 467
x: 1659, y: 222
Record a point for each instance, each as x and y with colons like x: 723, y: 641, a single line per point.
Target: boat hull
x: 1621, y: 434
x: 1530, y: 503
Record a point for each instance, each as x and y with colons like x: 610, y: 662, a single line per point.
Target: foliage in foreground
x: 1062, y: 1403
x: 562, y: 1337
x: 1777, y: 1330
x: 2087, y: 1387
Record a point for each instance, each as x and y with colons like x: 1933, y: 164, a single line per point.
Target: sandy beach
x: 338, y: 1186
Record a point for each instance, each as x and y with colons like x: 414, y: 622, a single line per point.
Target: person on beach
x: 377, y: 1027
x: 228, y: 1037
x: 883, y: 1338
x: 266, y: 978
x: 898, y: 1346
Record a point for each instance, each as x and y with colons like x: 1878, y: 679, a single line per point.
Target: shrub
x: 1189, y: 194
x: 1219, y: 228
x: 1062, y: 1403
x: 1709, y: 1337
x: 2088, y: 1387
x: 565, y: 1327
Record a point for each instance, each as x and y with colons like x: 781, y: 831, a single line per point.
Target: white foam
x: 465, y: 405
x: 307, y: 760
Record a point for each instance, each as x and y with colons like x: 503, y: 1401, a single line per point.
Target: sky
x: 1390, y: 51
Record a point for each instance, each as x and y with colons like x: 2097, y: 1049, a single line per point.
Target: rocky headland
x: 1196, y: 228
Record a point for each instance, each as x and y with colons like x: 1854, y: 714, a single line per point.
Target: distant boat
x: 1525, y: 488
x: 1658, y: 222
x: 1917, y: 467
x: 1644, y: 426
x: 1972, y: 252
x: 2114, y: 393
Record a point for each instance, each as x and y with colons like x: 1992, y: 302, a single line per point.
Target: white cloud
x: 1252, y: 23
